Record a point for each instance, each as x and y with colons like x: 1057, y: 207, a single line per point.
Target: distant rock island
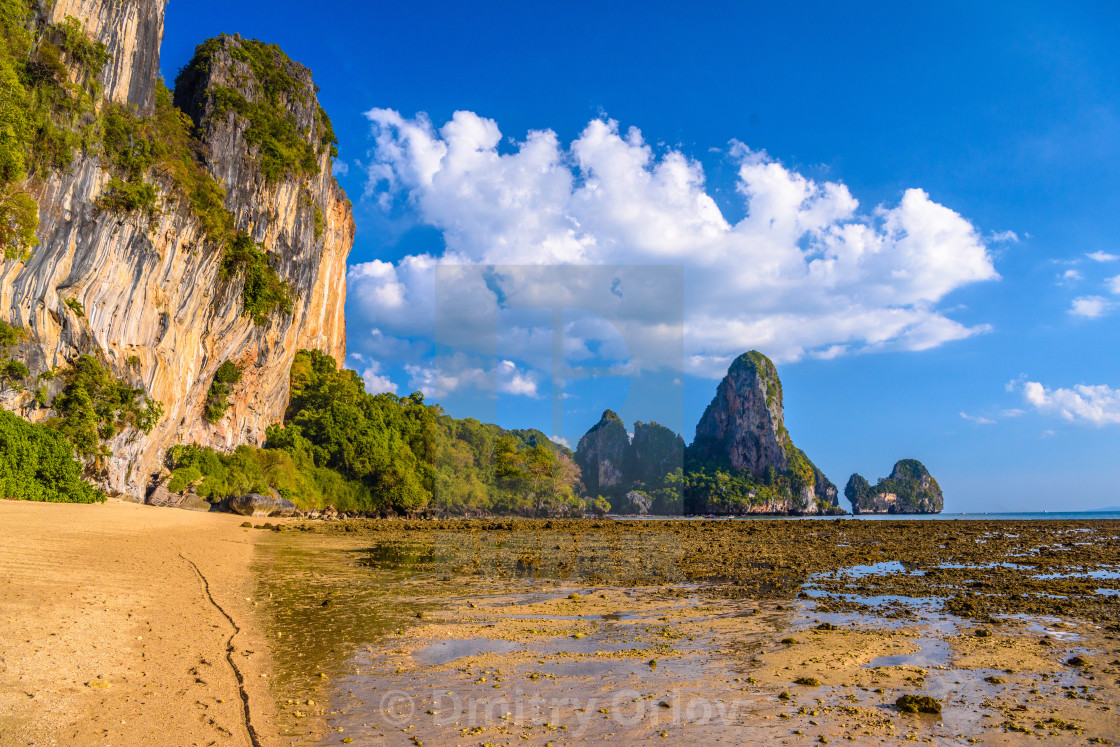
x: 910, y: 489
x: 741, y: 461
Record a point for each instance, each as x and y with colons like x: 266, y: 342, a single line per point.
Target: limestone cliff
x: 132, y: 31
x: 145, y: 290
x: 602, y: 456
x: 743, y: 429
x: 630, y: 472
x: 910, y: 489
x: 655, y: 452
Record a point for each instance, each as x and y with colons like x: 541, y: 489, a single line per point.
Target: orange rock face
x: 152, y: 302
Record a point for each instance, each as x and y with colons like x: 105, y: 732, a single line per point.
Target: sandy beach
x: 109, y: 635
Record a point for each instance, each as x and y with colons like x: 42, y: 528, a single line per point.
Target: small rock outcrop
x: 635, y: 502
x: 255, y: 504
x: 910, y: 489
x: 743, y: 430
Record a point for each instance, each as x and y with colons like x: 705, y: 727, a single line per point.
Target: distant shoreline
x: 1004, y: 516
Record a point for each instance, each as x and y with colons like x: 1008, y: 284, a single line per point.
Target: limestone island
x: 910, y: 489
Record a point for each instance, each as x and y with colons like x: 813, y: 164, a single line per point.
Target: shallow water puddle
x: 933, y: 653
x: 442, y: 652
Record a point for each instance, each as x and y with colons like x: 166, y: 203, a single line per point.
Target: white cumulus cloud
x: 370, y: 369
x: 1090, y: 307
x: 806, y: 271
x: 1099, y: 405
x: 439, y: 377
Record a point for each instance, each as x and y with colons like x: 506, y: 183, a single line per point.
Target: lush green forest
x: 717, y: 488
x: 341, y: 446
x: 37, y: 464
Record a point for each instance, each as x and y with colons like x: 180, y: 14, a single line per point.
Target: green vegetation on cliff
x: 40, y: 109
x: 37, y: 464
x: 217, y: 398
x: 162, y: 147
x: 94, y: 406
x: 715, y: 488
x: 48, y: 97
x: 13, y: 372
x: 263, y: 291
x: 284, y: 150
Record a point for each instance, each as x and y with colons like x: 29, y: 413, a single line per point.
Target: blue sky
x: 947, y: 130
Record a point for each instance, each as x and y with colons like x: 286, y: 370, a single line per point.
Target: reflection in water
x: 441, y: 652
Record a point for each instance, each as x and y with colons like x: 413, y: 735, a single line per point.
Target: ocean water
x: 1023, y: 516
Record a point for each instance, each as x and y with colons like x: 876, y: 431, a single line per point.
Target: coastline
x: 111, y: 632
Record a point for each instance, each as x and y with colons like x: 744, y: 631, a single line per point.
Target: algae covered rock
x: 918, y: 704
x: 910, y: 489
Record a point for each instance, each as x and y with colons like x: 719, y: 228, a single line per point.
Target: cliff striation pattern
x: 177, y: 234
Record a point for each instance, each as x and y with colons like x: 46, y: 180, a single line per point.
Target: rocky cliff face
x: 743, y: 428
x: 627, y: 470
x: 145, y: 292
x: 603, y: 455
x: 132, y: 31
x: 910, y: 489
x: 745, y: 422
x: 654, y: 453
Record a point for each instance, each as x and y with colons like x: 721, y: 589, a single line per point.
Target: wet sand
x: 109, y: 636
x: 794, y: 633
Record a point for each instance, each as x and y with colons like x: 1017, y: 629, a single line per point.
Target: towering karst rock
x: 910, y: 489
x: 603, y: 456
x: 654, y: 453
x: 630, y: 472
x: 743, y: 428
x: 148, y: 286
